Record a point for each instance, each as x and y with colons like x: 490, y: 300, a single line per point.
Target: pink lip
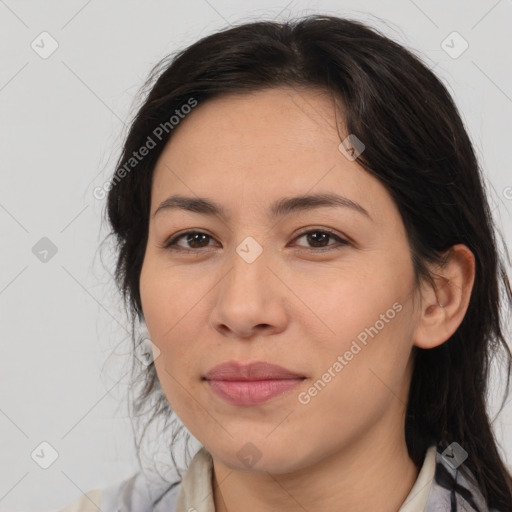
x: 250, y: 384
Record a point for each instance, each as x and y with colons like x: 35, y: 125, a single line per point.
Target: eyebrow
x: 279, y: 208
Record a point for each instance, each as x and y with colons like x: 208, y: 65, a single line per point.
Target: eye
x: 198, y: 240
x: 318, y: 238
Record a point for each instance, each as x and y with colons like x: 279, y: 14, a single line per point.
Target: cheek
x: 166, y: 299
x: 345, y: 301
x: 357, y: 382
x: 368, y: 314
x: 170, y: 304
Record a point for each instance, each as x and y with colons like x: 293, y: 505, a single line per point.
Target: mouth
x: 251, y: 384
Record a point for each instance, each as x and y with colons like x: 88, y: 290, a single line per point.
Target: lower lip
x: 251, y: 392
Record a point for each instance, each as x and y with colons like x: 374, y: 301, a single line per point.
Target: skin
x: 291, y: 306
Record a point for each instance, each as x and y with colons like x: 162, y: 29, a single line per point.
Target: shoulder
x: 134, y: 494
x: 89, y: 502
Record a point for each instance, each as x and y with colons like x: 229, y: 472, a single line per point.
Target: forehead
x: 255, y: 147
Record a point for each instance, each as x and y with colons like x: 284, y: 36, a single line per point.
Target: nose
x: 250, y: 300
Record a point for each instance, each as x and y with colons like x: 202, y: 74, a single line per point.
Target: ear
x: 442, y: 308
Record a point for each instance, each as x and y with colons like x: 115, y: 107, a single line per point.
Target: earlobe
x: 444, y: 305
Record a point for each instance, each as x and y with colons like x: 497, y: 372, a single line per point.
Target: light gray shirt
x: 440, y: 487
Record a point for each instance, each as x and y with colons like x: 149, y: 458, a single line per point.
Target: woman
x: 302, y: 228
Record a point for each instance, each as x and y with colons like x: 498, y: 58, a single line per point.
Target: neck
x: 339, y: 483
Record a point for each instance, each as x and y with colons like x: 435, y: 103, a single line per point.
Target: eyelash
x: 341, y: 242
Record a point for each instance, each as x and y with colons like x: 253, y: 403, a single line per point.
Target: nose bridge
x: 246, y: 282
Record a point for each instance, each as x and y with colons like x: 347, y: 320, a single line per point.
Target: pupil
x: 315, y: 235
x: 192, y: 239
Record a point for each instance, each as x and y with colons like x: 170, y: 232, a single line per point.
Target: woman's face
x: 325, y: 291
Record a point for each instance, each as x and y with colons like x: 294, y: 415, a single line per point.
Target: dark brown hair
x: 416, y: 145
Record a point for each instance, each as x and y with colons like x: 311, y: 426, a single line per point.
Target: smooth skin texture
x: 294, y: 306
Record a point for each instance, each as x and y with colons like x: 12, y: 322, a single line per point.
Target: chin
x: 265, y: 457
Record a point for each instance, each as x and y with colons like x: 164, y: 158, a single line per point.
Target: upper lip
x: 259, y: 370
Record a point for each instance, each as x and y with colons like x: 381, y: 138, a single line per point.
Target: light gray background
x: 62, y: 121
